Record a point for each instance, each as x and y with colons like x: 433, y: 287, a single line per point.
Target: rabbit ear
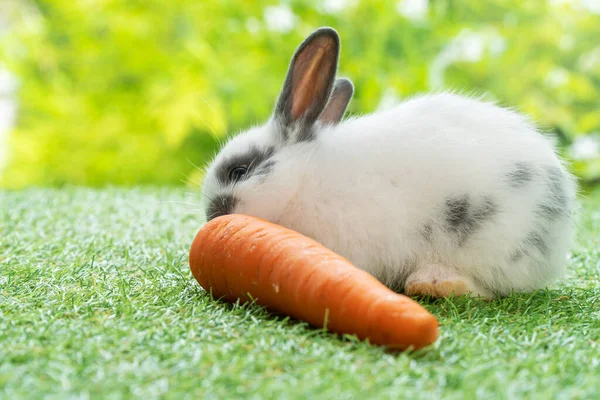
x: 310, y: 78
x: 338, y: 102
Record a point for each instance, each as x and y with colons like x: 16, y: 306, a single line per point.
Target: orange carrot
x: 246, y: 258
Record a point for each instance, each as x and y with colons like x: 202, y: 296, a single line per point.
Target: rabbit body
x: 438, y: 179
x: 440, y: 194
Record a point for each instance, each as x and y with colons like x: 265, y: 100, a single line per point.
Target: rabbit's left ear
x: 338, y: 102
x: 310, y: 78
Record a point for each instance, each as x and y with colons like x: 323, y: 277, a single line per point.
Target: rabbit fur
x: 441, y: 194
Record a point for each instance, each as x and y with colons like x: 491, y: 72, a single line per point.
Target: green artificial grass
x: 96, y: 301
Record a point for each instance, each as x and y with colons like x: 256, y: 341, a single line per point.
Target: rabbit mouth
x: 221, y: 205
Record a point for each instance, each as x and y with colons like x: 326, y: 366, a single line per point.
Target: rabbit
x: 440, y: 195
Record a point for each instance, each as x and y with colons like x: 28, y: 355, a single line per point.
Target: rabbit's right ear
x: 310, y: 78
x: 338, y: 102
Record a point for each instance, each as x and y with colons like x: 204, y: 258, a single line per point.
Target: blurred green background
x: 96, y: 92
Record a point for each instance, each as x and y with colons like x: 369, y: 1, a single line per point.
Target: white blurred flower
x: 557, y: 77
x: 586, y: 147
x: 588, y: 61
x: 558, y: 3
x: 8, y: 111
x: 280, y: 18
x: 467, y: 46
x: 335, y: 6
x: 388, y: 100
x: 413, y: 9
x: 591, y: 6
x: 470, y: 48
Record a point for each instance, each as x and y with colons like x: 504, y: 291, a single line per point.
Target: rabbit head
x: 258, y: 171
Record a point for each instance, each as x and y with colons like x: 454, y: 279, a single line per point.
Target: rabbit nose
x: 220, y: 205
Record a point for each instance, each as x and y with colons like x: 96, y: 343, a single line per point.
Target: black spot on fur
x: 537, y: 240
x: 306, y: 133
x: 298, y: 132
x: 265, y: 168
x: 464, y: 217
x: 427, y: 232
x: 395, y: 278
x: 254, y: 159
x: 220, y: 205
x: 486, y: 210
x: 457, y: 212
x: 549, y: 212
x: 555, y: 204
x: 516, y: 255
x: 556, y: 186
x: 520, y: 175
x: 534, y: 242
x: 283, y: 127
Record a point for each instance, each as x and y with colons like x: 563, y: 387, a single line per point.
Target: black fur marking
x: 457, y: 212
x: 253, y: 160
x: 549, y: 212
x: 427, y: 232
x: 522, y: 174
x: 517, y: 255
x: 306, y: 133
x: 220, y: 205
x: 556, y: 180
x: 536, y: 240
x: 464, y: 218
x: 486, y: 210
x: 265, y: 168
x: 555, y: 205
x: 395, y: 278
x: 283, y: 128
x: 297, y: 132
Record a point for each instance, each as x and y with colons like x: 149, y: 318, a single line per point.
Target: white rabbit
x: 439, y: 195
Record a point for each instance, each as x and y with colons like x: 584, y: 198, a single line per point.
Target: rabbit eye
x: 237, y: 173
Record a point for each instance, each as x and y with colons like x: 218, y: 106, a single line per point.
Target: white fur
x: 366, y: 187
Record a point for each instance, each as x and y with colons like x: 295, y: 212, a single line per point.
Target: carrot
x: 246, y: 258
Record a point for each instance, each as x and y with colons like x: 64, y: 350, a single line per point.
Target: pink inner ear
x: 334, y: 110
x: 311, y: 72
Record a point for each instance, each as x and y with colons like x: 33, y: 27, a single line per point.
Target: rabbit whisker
x: 215, y: 112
